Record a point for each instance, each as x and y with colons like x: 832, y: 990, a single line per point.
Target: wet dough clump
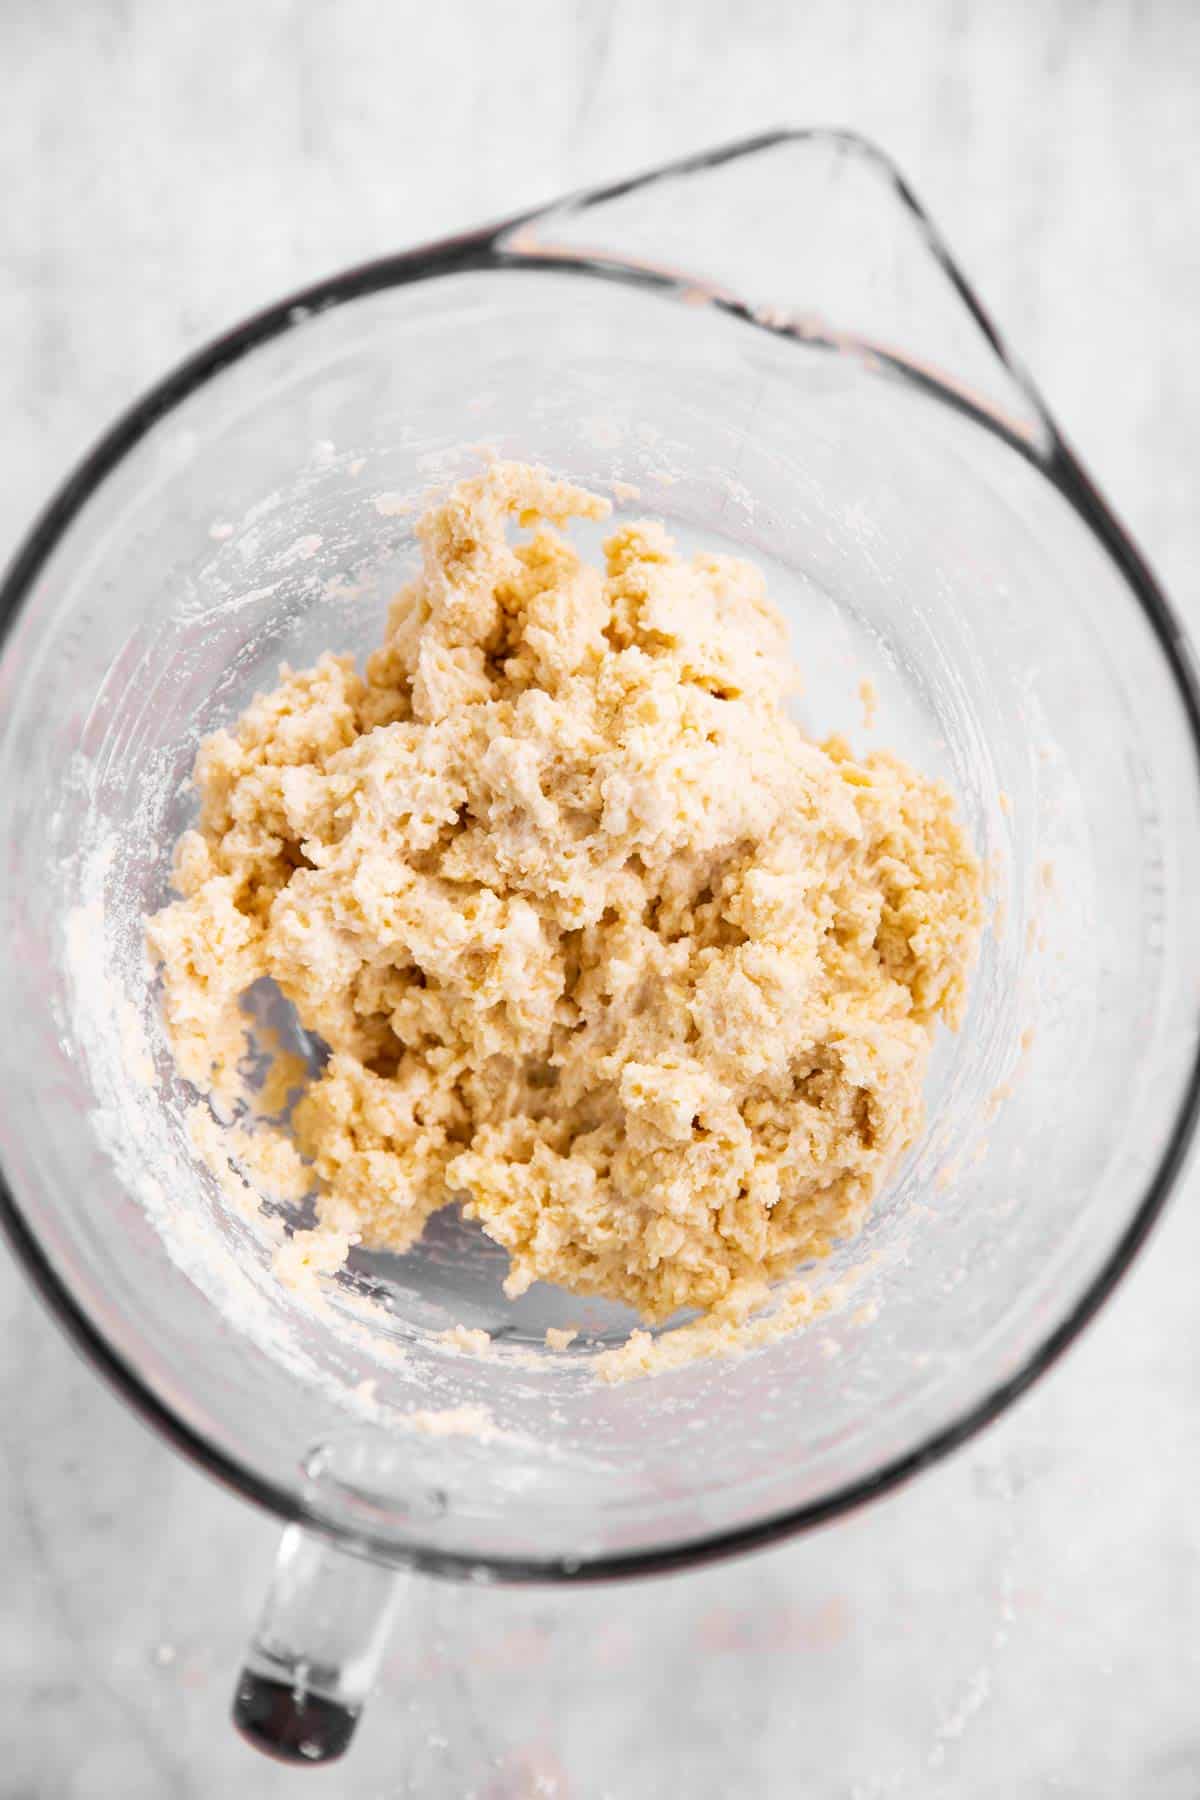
x: 601, y: 945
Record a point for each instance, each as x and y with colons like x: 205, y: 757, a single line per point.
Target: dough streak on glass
x: 600, y: 943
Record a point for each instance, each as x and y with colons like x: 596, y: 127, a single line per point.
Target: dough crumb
x: 471, y: 1339
x: 868, y: 693
x: 558, y: 1338
x: 248, y: 1165
x: 599, y: 944
x: 305, y: 1255
x: 994, y: 871
x: 452, y: 1421
x: 947, y: 1175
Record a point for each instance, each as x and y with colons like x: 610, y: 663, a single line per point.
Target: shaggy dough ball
x: 600, y: 944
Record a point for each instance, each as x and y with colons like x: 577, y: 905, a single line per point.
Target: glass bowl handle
x: 315, y: 1651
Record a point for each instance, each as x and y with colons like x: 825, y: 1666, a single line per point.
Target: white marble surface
x: 1025, y: 1620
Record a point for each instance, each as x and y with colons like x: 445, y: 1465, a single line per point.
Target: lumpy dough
x: 601, y: 945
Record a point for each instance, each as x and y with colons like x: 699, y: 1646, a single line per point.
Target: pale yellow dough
x: 600, y: 943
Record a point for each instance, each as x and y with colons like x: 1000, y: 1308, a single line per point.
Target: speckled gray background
x: 1023, y: 1622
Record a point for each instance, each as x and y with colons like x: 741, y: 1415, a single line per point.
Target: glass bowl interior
x: 264, y: 514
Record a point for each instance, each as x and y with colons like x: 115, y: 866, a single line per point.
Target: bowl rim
x: 489, y: 249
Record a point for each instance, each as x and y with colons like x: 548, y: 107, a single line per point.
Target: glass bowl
x: 772, y: 346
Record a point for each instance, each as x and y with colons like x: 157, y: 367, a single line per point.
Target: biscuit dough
x: 601, y: 945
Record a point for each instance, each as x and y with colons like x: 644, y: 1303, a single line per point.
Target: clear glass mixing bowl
x: 772, y: 345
